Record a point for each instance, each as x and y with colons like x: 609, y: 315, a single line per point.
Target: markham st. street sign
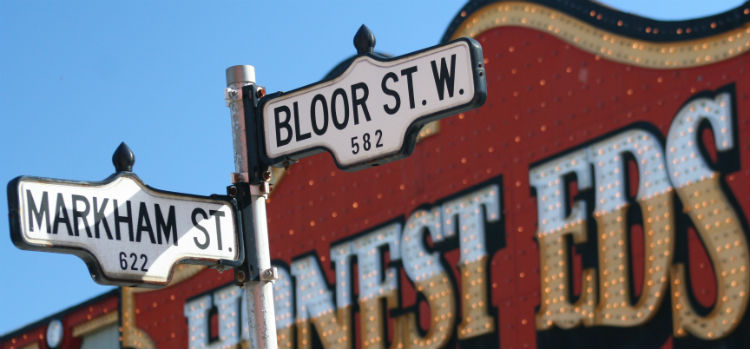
x: 127, y: 232
x: 372, y: 112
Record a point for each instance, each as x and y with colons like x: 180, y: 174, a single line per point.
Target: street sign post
x: 372, y: 112
x: 127, y: 233
x: 251, y: 186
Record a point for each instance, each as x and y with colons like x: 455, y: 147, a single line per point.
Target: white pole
x: 259, y: 292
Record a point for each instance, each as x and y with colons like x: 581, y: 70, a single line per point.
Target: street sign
x: 372, y: 112
x: 126, y: 232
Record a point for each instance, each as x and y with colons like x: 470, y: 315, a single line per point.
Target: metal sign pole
x: 251, y: 188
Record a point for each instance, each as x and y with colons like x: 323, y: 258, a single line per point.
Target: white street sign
x: 372, y: 112
x: 127, y: 232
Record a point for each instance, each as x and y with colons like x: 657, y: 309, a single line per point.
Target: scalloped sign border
x: 371, y: 113
x: 126, y: 232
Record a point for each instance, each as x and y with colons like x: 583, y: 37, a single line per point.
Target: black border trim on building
x: 624, y: 23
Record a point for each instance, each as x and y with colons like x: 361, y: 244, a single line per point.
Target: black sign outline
x: 410, y: 135
x: 95, y: 269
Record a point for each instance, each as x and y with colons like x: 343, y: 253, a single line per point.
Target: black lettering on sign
x: 123, y: 261
x: 80, y: 214
x: 144, y: 224
x: 163, y: 228
x: 355, y: 145
x: 123, y: 219
x: 199, y: 211
x: 299, y: 136
x: 282, y: 124
x: 392, y: 93
x: 133, y: 259
x: 61, y: 216
x: 360, y: 101
x: 444, y: 78
x: 366, y: 141
x: 99, y: 217
x: 319, y: 130
x: 145, y: 260
x: 408, y: 72
x: 38, y: 213
x: 334, y: 116
x: 216, y: 214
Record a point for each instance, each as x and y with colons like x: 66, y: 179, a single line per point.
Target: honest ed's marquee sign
x: 127, y: 232
x: 372, y: 112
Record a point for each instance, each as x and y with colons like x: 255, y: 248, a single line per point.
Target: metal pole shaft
x: 238, y: 76
x: 259, y: 292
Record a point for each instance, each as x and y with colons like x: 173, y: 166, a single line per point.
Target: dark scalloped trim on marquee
x: 623, y: 23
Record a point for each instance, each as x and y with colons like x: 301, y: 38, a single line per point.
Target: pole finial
x: 123, y: 158
x: 240, y: 74
x: 364, y: 40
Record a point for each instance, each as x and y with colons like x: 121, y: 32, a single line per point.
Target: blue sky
x: 79, y: 77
